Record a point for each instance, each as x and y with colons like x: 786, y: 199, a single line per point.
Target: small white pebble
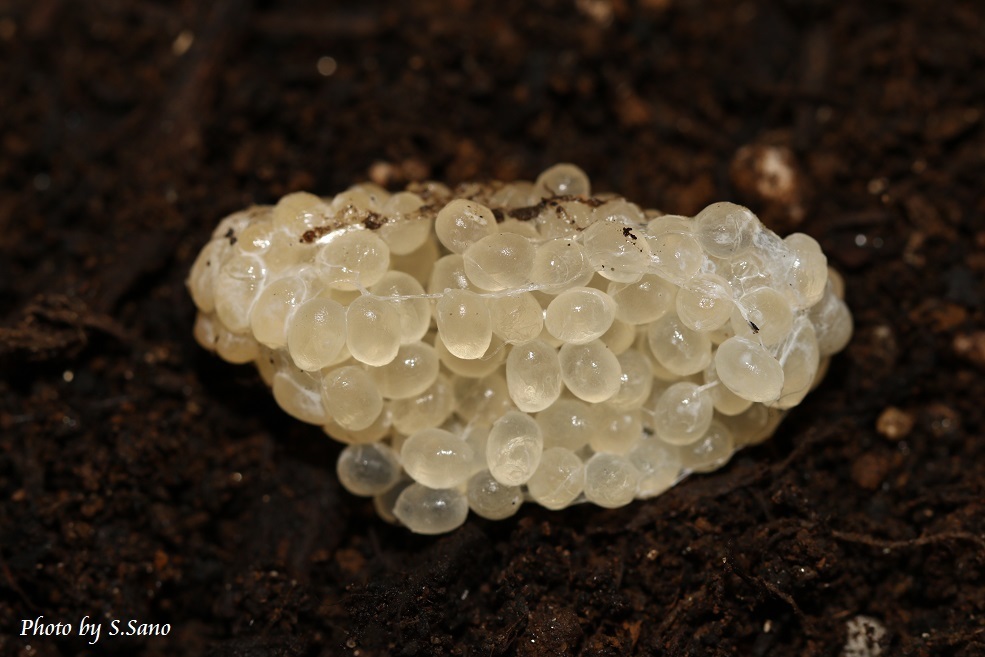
x: 864, y: 635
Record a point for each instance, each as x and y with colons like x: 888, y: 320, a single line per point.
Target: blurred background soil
x: 143, y: 478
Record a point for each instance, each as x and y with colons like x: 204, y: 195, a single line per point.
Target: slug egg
x: 524, y: 342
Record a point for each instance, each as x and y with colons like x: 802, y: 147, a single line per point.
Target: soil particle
x: 895, y: 424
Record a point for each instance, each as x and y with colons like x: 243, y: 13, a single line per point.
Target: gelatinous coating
x: 504, y: 343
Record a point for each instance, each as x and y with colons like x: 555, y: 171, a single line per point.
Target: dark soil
x: 143, y: 478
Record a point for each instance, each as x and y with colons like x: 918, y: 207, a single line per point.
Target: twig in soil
x: 338, y: 24
x: 13, y: 583
x: 675, y: 609
x: 872, y: 541
x: 776, y: 592
x: 56, y: 325
x: 193, y: 84
x: 813, y: 75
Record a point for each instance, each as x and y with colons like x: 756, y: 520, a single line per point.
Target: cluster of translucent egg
x: 507, y: 343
